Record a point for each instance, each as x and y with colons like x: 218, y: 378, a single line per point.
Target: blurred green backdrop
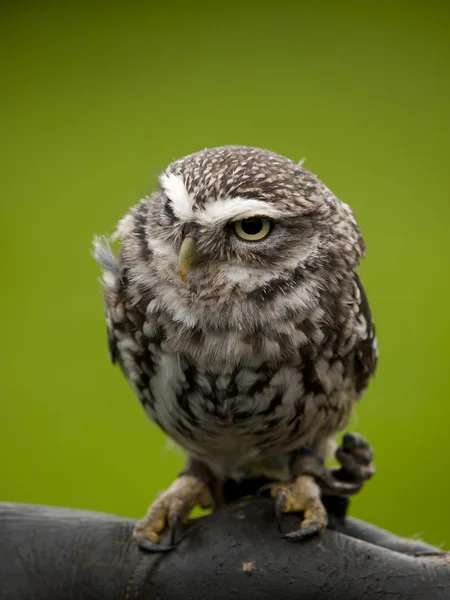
x: 98, y: 99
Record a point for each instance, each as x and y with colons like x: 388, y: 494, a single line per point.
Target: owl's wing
x: 365, y: 350
x: 128, y: 346
x: 117, y: 324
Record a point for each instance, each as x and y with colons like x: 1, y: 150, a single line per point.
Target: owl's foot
x: 300, y: 495
x: 171, y: 508
x: 312, y: 479
x: 356, y: 456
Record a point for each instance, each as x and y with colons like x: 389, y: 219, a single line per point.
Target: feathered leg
x: 310, y: 478
x: 195, y: 486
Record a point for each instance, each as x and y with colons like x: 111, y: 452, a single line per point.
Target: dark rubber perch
x: 237, y: 552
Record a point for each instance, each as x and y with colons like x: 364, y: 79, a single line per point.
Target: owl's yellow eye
x: 253, y: 229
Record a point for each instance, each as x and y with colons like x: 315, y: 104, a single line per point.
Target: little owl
x: 235, y: 312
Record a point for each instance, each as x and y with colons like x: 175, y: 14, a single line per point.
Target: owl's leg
x: 193, y: 487
x: 303, y: 492
x: 355, y: 455
x: 311, y: 479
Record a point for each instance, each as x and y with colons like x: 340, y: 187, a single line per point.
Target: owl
x: 236, y: 313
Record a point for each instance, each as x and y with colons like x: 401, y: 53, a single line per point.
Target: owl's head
x: 236, y: 224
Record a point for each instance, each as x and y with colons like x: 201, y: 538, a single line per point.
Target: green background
x: 97, y: 99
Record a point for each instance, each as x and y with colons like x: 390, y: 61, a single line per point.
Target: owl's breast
x: 234, y: 417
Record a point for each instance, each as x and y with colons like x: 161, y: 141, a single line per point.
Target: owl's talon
x: 169, y: 510
x: 174, y: 528
x: 304, y: 533
x: 149, y: 546
x: 300, y: 495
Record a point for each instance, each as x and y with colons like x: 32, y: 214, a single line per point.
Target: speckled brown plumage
x: 266, y: 345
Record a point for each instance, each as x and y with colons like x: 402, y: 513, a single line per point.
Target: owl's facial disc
x: 250, y: 230
x: 224, y: 235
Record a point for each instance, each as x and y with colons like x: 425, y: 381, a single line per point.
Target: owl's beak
x: 186, y: 256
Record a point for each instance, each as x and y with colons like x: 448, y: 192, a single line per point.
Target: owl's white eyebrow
x: 225, y: 209
x: 232, y: 209
x: 174, y: 188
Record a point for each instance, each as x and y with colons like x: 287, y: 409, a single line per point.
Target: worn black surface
x: 51, y: 553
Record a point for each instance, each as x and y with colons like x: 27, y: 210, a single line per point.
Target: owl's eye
x: 253, y: 229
